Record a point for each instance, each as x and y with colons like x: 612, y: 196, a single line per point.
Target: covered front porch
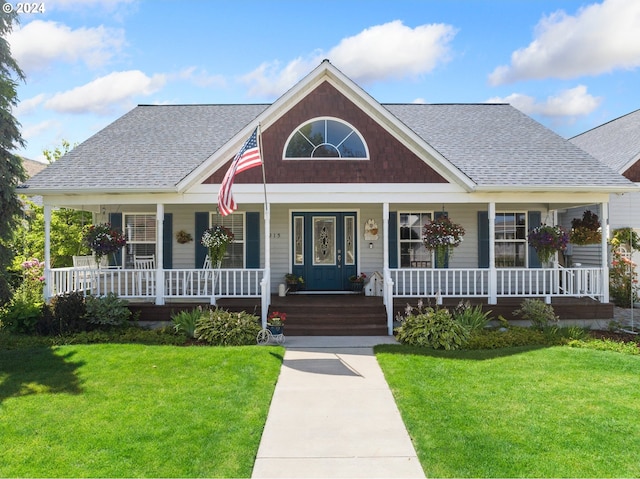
x: 581, y: 288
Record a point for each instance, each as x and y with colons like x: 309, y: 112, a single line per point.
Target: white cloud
x: 393, y: 50
x: 105, y: 94
x: 29, y: 105
x: 200, y: 78
x: 381, y: 52
x: 38, y: 44
x: 600, y: 38
x: 38, y: 129
x: 568, y: 103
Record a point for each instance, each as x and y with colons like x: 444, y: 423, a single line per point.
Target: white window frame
x: 422, y: 214
x: 128, y: 248
x: 524, y: 241
x: 354, y: 131
x: 216, y: 219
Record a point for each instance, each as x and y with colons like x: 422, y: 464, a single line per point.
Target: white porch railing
x: 440, y: 282
x: 141, y: 283
x: 522, y: 282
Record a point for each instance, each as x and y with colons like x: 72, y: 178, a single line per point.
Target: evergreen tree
x: 11, y: 170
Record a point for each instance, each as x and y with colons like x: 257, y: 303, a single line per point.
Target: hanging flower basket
x: 216, y: 239
x: 103, y: 240
x: 442, y: 235
x: 547, y: 240
x: 586, y: 230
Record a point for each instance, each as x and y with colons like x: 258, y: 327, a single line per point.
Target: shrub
x: 24, y: 310
x: 224, y: 328
x: 107, y: 310
x: 537, y: 312
x: 185, y: 321
x: 471, y: 317
x: 505, y: 338
x: 69, y: 312
x: 432, y: 329
x: 606, y: 345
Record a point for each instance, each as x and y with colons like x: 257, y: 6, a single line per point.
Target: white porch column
x: 387, y: 287
x: 47, y: 253
x: 266, y: 280
x: 604, y: 260
x: 493, y: 274
x: 159, y: 254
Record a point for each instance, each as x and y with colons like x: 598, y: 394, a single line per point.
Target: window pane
x: 349, y: 236
x: 511, y: 245
x: 298, y: 234
x: 413, y: 254
x: 324, y: 245
x: 234, y: 256
x: 299, y: 147
x: 325, y: 139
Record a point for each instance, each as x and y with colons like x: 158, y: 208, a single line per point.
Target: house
x: 336, y: 164
x: 617, y: 145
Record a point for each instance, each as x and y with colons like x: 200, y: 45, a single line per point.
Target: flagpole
x: 266, y: 293
x: 264, y: 180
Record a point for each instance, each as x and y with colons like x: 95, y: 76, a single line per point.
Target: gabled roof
x: 169, y: 147
x: 616, y: 143
x: 497, y: 145
x: 151, y: 148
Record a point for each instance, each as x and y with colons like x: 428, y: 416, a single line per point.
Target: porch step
x: 332, y: 315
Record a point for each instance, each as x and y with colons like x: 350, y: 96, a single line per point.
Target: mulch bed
x: 615, y: 336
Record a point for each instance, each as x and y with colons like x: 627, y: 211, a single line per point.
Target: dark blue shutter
x: 483, y: 239
x: 252, y: 240
x: 116, y: 223
x: 535, y: 218
x: 202, y: 223
x: 167, y: 241
x: 437, y: 215
x: 393, y: 239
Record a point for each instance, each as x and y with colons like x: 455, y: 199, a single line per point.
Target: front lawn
x: 128, y: 410
x: 518, y: 412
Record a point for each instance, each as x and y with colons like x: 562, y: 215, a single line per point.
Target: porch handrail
x: 440, y: 282
x: 141, y: 283
x: 510, y: 282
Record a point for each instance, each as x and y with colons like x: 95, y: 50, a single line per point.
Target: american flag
x: 248, y: 157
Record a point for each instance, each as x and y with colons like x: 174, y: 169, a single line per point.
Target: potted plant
x: 357, y: 282
x: 216, y: 239
x: 547, y: 240
x: 294, y: 282
x: 586, y: 230
x: 103, y: 240
x: 442, y: 235
x: 275, y: 322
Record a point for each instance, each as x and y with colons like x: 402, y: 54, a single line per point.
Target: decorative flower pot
x: 357, y: 286
x: 275, y: 329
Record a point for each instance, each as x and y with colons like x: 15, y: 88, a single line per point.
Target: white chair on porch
x: 145, y: 276
x: 205, y: 278
x: 85, y: 279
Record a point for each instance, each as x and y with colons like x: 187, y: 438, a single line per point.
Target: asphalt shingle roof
x: 496, y: 144
x: 150, y: 147
x: 155, y: 147
x: 615, y: 143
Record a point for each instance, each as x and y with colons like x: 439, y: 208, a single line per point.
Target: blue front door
x: 324, y: 249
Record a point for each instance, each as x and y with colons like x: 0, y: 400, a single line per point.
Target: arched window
x: 326, y: 138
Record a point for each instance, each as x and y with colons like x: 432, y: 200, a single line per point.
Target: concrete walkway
x: 333, y: 415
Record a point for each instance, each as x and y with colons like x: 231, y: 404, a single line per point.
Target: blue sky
x: 571, y: 65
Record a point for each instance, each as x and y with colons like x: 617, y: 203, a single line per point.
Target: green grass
x: 128, y: 410
x: 519, y: 412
